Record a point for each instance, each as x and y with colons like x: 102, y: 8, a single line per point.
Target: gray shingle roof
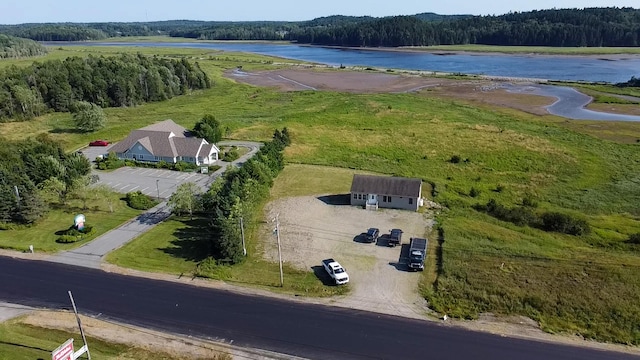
x: 168, y: 126
x: 158, y: 140
x: 187, y: 146
x: 386, y: 185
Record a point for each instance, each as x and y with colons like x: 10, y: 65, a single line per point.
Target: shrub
x: 474, y: 192
x: 231, y: 154
x: 634, y: 239
x: 110, y: 162
x: 520, y: 216
x: 72, y: 234
x: 140, y: 201
x: 499, y: 188
x: 564, y: 223
x: 455, y: 159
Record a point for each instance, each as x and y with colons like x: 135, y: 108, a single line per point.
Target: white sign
x: 204, y: 170
x: 64, y: 352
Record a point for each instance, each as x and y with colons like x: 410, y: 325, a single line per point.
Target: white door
x: 373, y: 198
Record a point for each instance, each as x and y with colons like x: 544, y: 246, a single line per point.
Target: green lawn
x: 178, y: 246
x: 586, y: 285
x: 43, y: 236
x: 26, y: 342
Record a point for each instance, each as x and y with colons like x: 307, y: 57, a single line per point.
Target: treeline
x: 28, y: 171
x: 95, y: 31
x: 53, y: 32
x: 127, y: 80
x: 14, y: 47
x: 558, y: 27
x: 238, y: 195
x: 567, y: 27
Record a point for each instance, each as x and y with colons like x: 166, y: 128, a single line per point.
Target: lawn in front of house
x: 42, y: 235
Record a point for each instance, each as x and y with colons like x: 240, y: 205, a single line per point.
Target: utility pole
x: 244, y: 247
x: 279, y: 250
x: 84, y: 339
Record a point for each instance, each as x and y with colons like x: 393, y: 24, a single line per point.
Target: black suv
x: 395, y: 238
x: 372, y: 235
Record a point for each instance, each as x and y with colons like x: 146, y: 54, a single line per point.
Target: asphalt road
x: 305, y: 330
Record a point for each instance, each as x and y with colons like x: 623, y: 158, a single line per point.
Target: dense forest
x: 556, y: 27
x: 30, y: 168
x: 127, y: 80
x: 14, y: 47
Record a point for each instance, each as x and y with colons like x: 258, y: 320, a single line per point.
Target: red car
x: 99, y: 143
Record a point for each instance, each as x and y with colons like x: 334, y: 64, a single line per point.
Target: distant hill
x: 557, y: 27
x: 13, y: 47
x: 429, y: 16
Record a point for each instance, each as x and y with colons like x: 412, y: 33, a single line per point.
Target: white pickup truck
x: 336, y: 271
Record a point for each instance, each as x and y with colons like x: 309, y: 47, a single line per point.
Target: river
x: 570, y: 103
x: 605, y: 68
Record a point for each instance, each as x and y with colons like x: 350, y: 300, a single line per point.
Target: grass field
x: 586, y: 285
x: 43, y: 235
x: 26, y: 342
x: 178, y: 246
x: 550, y: 50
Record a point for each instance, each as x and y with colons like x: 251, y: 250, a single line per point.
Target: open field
x: 586, y: 285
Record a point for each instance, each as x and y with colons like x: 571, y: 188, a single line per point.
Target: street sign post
x: 64, y: 351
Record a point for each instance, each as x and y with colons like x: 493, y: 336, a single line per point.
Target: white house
x: 386, y: 192
x: 166, y: 141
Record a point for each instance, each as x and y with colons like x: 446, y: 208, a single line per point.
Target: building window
x: 158, y: 158
x: 355, y: 196
x: 359, y: 196
x: 410, y: 201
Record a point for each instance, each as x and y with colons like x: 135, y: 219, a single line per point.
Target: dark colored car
x: 99, y: 143
x: 395, y: 238
x: 372, y: 235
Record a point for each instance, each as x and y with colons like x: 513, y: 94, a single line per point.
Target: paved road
x: 312, y: 331
x: 92, y: 254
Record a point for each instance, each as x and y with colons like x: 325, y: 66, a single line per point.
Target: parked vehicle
x: 99, y: 143
x: 372, y: 235
x: 417, y: 253
x: 395, y: 237
x: 336, y: 271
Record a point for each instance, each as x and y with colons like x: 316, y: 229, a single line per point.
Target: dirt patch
x: 177, y: 346
x: 477, y: 90
x: 379, y: 279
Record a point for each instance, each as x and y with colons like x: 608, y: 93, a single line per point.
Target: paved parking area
x: 153, y: 182
x: 91, y: 152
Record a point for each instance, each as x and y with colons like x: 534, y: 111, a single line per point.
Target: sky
x: 38, y: 11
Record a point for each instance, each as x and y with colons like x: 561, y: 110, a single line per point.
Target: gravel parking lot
x: 314, y: 228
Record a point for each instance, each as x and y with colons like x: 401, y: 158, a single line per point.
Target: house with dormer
x: 165, y: 141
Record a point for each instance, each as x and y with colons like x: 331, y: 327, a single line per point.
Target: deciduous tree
x: 88, y: 117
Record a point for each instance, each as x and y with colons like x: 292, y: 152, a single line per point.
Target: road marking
x: 144, y: 189
x: 116, y: 185
x: 124, y: 187
x: 134, y: 188
x: 146, y: 171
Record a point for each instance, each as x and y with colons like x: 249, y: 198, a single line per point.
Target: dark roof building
x: 386, y: 191
x: 165, y: 141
